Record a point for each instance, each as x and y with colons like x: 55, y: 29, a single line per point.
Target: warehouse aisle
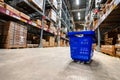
x: 55, y: 64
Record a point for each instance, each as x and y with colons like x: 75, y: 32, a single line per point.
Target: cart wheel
x: 75, y: 60
x: 88, y: 62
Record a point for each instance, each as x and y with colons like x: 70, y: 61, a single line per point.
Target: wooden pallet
x: 109, y: 54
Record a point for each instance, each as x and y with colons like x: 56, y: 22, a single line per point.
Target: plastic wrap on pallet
x: 53, y: 15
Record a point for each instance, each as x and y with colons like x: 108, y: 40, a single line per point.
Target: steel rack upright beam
x: 43, y: 17
x: 59, y: 22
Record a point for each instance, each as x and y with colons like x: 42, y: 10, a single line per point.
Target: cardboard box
x: 10, y: 8
x: 53, y: 15
x: 1, y: 0
x: 117, y: 45
x: 45, y: 44
x: 54, y: 2
x: 37, y: 3
x: 95, y: 22
x: 118, y: 36
x: 62, y: 43
x: 24, y: 16
x: 108, y: 49
x: 118, y: 53
x: 2, y: 4
x: 39, y: 22
x: 52, y: 41
x: 14, y: 35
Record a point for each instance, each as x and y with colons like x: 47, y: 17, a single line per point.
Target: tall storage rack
x: 35, y: 13
x: 106, y: 23
x: 64, y: 23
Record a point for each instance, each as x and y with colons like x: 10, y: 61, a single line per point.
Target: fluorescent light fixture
x: 79, y: 17
x: 78, y: 14
x: 77, y: 2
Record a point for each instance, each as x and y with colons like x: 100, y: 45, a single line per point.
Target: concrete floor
x: 55, y: 64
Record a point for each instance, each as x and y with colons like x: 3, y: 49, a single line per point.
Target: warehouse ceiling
x: 78, y: 9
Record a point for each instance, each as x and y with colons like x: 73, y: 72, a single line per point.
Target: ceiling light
x: 78, y: 14
x: 77, y: 2
x: 79, y: 17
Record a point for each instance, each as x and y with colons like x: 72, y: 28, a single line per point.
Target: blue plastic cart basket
x: 81, y: 45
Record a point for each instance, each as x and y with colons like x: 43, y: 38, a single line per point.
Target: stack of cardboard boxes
x: 117, y: 46
x: 49, y: 41
x: 52, y: 27
x: 51, y: 14
x: 52, y: 41
x: 108, y: 49
x: 62, y: 42
x: 108, y: 41
x: 21, y: 15
x: 13, y: 36
x: 45, y: 43
x: 37, y: 3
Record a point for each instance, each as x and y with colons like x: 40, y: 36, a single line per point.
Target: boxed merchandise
x: 34, y: 23
x: 117, y: 45
x: 1, y: 0
x: 94, y: 46
x: 52, y: 27
x: 45, y: 43
x: 118, y: 52
x: 62, y: 43
x: 39, y: 22
x: 108, y: 41
x: 95, y: 22
x: 108, y: 49
x: 52, y: 14
x: 10, y: 8
x: 29, y: 45
x: 24, y: 16
x: 54, y: 2
x: 52, y: 41
x: 37, y: 3
x: 46, y: 26
x: 2, y: 4
x: 14, y: 35
x: 118, y: 36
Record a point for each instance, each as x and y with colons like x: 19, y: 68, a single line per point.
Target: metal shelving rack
x: 64, y: 19
x: 65, y: 15
x: 40, y: 15
x: 109, y: 19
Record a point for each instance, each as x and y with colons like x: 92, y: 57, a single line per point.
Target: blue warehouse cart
x: 81, y: 45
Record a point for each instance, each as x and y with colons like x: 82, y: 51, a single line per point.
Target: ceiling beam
x: 78, y: 10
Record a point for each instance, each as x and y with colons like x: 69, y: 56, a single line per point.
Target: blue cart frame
x: 81, y: 45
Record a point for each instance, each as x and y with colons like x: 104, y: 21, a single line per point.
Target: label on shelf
x: 17, y: 17
x: 45, y: 29
x: 55, y: 33
x: 23, y: 20
x: 34, y: 24
x: 29, y: 22
x: 51, y: 31
x: 7, y: 12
